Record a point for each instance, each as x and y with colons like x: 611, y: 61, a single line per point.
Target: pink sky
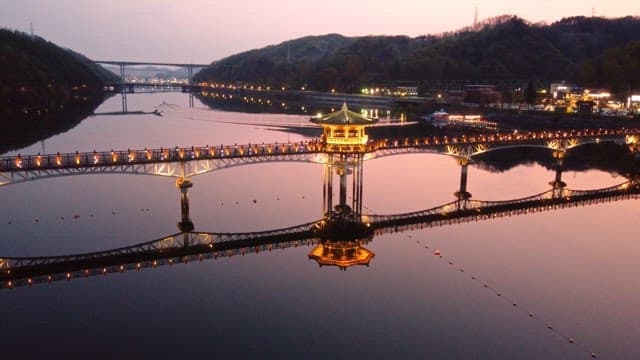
x: 201, y: 31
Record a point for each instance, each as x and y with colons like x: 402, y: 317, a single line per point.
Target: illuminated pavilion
x: 344, y: 128
x: 345, y: 143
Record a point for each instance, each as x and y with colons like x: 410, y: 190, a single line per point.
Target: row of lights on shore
x: 255, y: 100
x: 253, y: 87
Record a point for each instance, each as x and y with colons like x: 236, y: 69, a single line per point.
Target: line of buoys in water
x: 255, y: 201
x: 75, y: 216
x: 514, y: 304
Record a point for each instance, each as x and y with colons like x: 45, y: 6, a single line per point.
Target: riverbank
x: 541, y: 120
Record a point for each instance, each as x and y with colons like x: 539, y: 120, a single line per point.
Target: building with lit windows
x: 633, y: 104
x: 560, y: 90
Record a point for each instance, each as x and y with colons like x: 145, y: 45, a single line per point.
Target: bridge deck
x: 136, y: 63
x: 444, y: 144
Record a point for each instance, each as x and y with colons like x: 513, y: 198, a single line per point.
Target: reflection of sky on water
x: 574, y: 268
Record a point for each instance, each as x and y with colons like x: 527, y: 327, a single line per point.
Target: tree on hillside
x: 574, y: 49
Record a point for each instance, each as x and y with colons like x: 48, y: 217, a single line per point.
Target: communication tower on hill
x: 475, y: 17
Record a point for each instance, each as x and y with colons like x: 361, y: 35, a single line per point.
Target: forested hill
x: 593, y: 51
x: 35, y: 71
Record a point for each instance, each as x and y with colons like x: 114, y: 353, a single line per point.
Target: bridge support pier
x: 557, y: 182
x: 124, y: 101
x: 122, y: 74
x: 185, y: 225
x: 462, y: 193
x: 190, y: 85
x: 343, y: 165
x: 123, y: 88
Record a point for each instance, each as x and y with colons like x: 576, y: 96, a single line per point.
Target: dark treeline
x: 44, y: 89
x: 37, y: 74
x: 592, y: 51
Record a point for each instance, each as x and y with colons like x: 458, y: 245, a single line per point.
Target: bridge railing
x: 499, y: 138
x: 179, y: 154
x: 132, y: 157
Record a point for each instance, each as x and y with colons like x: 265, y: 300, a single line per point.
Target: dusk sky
x: 204, y: 31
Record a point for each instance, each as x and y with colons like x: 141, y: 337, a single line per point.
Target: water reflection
x: 259, y: 102
x: 342, y: 253
x: 574, y: 267
x: 338, y: 236
x: 37, y: 124
x: 144, y: 89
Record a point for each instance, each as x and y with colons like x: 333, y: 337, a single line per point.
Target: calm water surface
x: 574, y: 269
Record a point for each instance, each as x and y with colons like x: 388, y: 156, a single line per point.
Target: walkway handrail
x: 25, y: 167
x: 145, y: 156
x: 152, y: 156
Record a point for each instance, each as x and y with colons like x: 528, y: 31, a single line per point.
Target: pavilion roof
x: 344, y: 116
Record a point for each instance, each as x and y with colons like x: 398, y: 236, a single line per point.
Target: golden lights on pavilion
x: 342, y: 254
x: 344, y: 127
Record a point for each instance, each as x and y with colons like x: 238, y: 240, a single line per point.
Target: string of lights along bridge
x: 343, y: 137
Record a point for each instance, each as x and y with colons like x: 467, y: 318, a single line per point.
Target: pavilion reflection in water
x: 341, y: 253
x: 341, y: 240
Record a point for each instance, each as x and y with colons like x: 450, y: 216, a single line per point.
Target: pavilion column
x: 343, y: 183
x: 354, y: 187
x: 327, y: 190
x: 357, y: 187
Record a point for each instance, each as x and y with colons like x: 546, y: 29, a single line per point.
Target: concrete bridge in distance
x: 123, y: 64
x: 123, y: 86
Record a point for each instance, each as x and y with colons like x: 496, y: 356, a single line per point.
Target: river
x: 572, y: 273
